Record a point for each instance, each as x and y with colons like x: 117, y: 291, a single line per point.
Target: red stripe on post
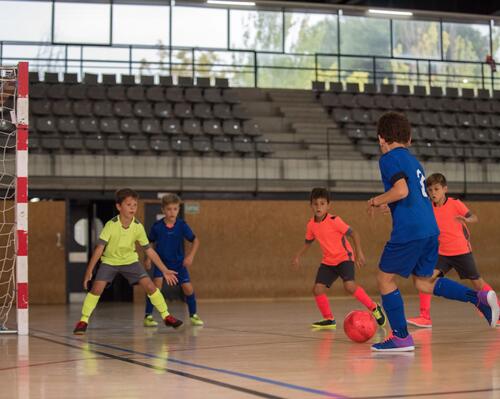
x: 22, y: 138
x: 22, y: 295
x: 22, y: 72
x: 22, y: 190
x: 22, y: 243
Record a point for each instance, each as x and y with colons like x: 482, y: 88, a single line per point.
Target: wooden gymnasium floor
x: 247, y: 349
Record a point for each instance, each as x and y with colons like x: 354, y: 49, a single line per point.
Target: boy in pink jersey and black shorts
x: 455, y: 251
x: 338, y: 259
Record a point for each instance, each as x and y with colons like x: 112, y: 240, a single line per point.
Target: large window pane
x: 365, y: 36
x: 42, y: 58
x: 256, y: 30
x: 15, y: 14
x: 416, y: 39
x: 465, y: 42
x: 235, y: 66
x: 310, y: 33
x: 287, y: 71
x: 106, y: 60
x: 82, y: 23
x: 199, y: 27
x: 140, y: 24
x: 150, y: 61
x: 496, y: 42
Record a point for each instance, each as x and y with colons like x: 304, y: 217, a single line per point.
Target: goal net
x: 13, y: 198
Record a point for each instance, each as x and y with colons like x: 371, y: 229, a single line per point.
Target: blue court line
x: 214, y: 369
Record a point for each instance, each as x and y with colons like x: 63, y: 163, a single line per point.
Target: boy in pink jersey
x: 338, y: 259
x: 455, y: 251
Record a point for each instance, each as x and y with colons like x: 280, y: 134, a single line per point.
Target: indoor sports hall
x: 203, y: 198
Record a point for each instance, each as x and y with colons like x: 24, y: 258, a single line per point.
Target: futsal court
x: 246, y: 349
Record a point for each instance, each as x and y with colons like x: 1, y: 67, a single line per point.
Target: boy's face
x: 320, y: 207
x: 171, y: 211
x: 128, y: 207
x: 437, y: 192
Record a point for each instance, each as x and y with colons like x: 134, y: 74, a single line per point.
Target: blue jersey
x: 412, y: 217
x: 169, y: 241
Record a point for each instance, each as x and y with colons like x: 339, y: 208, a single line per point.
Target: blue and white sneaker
x: 487, y: 303
x: 395, y: 344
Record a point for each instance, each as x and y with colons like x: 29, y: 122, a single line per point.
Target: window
x: 310, y: 33
x: 25, y: 20
x: 256, y: 30
x: 465, y: 42
x: 365, y: 36
x: 199, y: 27
x: 134, y: 24
x: 416, y: 39
x: 82, y: 23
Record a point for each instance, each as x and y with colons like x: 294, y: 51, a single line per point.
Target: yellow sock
x: 89, y: 305
x: 159, y: 303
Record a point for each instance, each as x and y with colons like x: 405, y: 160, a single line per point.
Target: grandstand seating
x: 130, y: 117
x: 445, y: 125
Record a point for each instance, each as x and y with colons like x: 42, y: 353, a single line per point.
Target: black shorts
x: 328, y: 274
x: 464, y: 265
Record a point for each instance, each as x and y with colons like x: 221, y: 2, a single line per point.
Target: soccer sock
x: 191, y: 302
x: 452, y: 290
x: 89, y: 305
x: 395, y: 311
x: 361, y: 295
x: 324, y: 306
x: 149, y: 307
x: 159, y: 303
x: 425, y: 305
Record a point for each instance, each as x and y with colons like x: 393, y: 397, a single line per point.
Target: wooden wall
x: 247, y: 246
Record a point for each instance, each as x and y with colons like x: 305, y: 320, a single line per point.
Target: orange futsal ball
x: 360, y: 325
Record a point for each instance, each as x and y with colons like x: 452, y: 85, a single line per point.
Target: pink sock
x: 324, y: 306
x: 486, y: 287
x: 425, y: 305
x: 363, y: 297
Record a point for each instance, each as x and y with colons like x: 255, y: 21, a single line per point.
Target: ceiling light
x: 391, y: 12
x: 231, y: 3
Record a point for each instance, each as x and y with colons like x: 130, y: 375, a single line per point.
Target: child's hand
x: 360, y: 260
x: 384, y: 209
x: 86, y: 279
x: 170, y: 277
x: 147, y: 264
x: 296, y: 262
x: 370, y: 207
x: 461, y: 219
x: 188, y: 261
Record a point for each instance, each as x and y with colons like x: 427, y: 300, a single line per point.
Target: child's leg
x: 425, y: 299
x: 393, y: 304
x: 360, y: 294
x: 188, y: 290
x: 155, y: 296
x: 90, y: 302
x: 319, y: 292
x: 158, y: 282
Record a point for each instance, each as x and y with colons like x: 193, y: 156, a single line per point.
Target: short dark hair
x: 124, y: 193
x: 320, y: 192
x: 394, y: 127
x: 436, y: 178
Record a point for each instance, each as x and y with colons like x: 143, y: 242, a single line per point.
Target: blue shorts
x: 182, y: 273
x: 417, y: 257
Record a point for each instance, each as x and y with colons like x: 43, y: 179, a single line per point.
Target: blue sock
x: 395, y: 311
x: 149, y: 307
x: 452, y: 290
x: 191, y: 302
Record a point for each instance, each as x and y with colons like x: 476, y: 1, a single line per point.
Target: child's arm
x: 188, y: 260
x: 170, y: 276
x: 359, y: 256
x: 397, y: 192
x: 303, y: 250
x: 471, y: 218
x: 147, y: 261
x: 99, y: 249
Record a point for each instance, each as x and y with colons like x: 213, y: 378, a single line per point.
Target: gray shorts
x: 133, y: 272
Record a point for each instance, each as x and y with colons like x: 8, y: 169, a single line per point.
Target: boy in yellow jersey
x: 116, y: 250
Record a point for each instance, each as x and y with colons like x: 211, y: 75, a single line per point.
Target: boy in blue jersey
x: 413, y: 246
x: 168, y: 235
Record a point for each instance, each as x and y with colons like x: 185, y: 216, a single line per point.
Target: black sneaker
x: 379, y: 316
x: 325, y: 324
x: 171, y: 321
